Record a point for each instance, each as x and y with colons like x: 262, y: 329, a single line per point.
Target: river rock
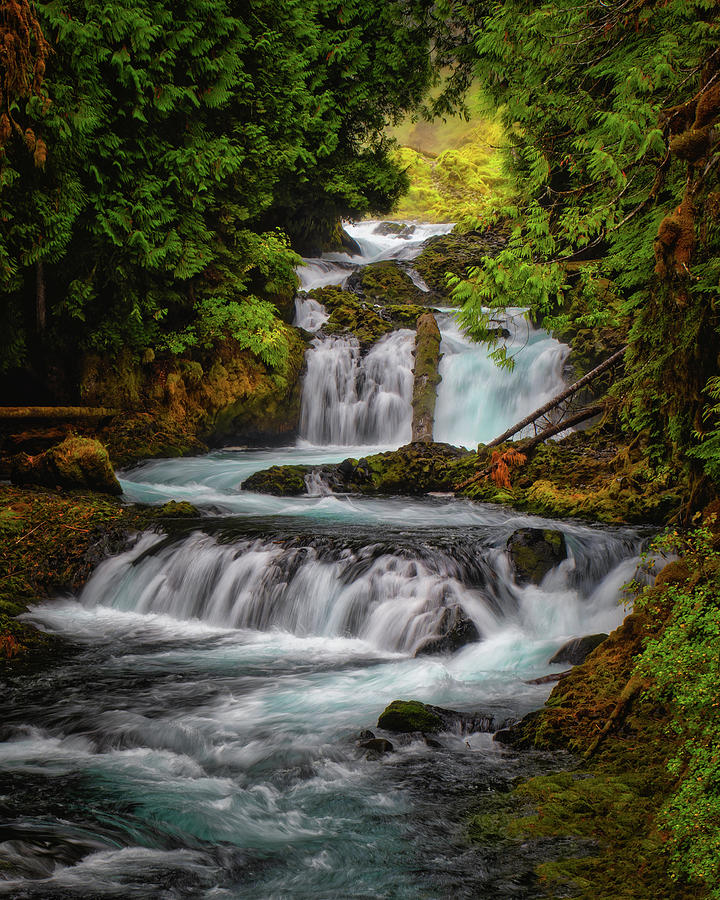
x: 412, y: 716
x: 578, y: 649
x: 455, y: 631
x: 453, y: 253
x: 77, y: 462
x: 377, y: 745
x: 386, y: 282
x: 398, y: 229
x: 533, y: 552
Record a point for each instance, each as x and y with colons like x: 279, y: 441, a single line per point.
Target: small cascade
x: 391, y: 597
x: 477, y: 400
x: 351, y: 399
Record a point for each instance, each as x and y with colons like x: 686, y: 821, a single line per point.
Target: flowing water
x: 201, y: 740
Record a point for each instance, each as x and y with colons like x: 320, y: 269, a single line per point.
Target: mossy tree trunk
x: 427, y: 377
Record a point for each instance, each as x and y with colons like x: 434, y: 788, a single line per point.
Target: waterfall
x: 352, y: 399
x: 477, y: 400
x: 204, y: 734
x: 349, y: 398
x: 391, y: 597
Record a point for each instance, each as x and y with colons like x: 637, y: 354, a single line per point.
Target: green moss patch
x: 409, y: 716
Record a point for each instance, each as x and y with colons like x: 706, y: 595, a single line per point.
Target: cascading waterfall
x: 201, y: 737
x: 477, y: 400
x: 349, y: 398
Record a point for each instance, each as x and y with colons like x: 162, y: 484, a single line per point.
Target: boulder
x: 453, y: 253
x: 377, y: 745
x: 399, y: 229
x: 177, y: 509
x: 77, y: 462
x: 412, y: 716
x: 533, y: 552
x: 455, y: 630
x: 282, y: 481
x: 577, y: 650
x: 387, y: 282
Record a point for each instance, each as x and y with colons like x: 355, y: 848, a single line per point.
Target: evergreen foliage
x: 177, y: 137
x: 609, y: 112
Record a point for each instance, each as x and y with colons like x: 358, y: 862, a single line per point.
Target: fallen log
x: 57, y: 412
x: 560, y: 398
x: 541, y: 436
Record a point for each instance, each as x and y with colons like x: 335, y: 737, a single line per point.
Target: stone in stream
x: 533, y: 552
x: 578, y: 649
x: 455, y: 629
x: 377, y: 745
x: 77, y: 462
x: 412, y: 716
x: 397, y: 229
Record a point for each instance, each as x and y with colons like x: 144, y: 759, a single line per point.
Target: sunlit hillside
x: 453, y: 166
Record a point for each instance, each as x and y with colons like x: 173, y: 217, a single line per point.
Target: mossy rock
x: 409, y: 716
x: 453, y: 253
x: 533, y: 552
x: 77, y: 462
x: 351, y: 315
x: 176, y: 509
x: 282, y: 481
x: 398, y: 229
x: 385, y: 283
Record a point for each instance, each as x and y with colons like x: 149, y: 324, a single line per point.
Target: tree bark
x: 40, y: 304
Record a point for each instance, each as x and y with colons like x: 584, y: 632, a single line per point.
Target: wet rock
x: 399, y: 229
x: 75, y: 463
x: 366, y: 735
x: 282, y: 481
x: 577, y: 650
x: 385, y: 283
x: 456, y: 631
x: 414, y: 469
x: 377, y: 745
x: 176, y: 509
x: 412, y: 716
x: 533, y: 552
x: 363, y: 319
x: 453, y: 253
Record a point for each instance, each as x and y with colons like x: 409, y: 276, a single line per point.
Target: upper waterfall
x: 355, y: 398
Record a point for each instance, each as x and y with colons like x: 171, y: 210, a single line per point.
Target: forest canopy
x: 151, y: 150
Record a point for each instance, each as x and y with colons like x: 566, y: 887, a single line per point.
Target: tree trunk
x: 40, y: 306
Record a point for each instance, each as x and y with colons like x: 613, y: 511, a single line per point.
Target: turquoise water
x: 201, y: 737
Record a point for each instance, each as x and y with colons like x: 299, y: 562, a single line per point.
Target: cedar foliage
x: 610, y: 112
x: 182, y: 135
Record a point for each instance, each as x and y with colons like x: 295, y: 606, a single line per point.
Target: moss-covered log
x: 427, y: 377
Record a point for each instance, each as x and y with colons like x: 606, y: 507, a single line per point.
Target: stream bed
x: 202, y: 739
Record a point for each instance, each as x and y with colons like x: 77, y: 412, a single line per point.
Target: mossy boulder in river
x: 533, y: 552
x: 77, y: 462
x: 410, y: 715
x: 414, y: 469
x: 368, y: 322
x: 283, y: 481
x: 454, y: 253
x: 387, y: 282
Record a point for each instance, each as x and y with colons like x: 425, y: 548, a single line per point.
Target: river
x: 203, y: 739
